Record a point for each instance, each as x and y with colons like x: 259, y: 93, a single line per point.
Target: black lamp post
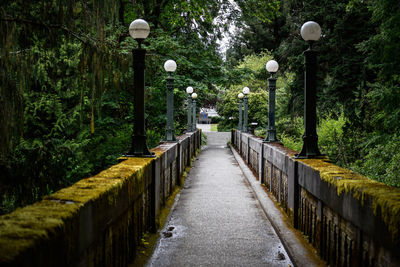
x: 246, y: 91
x: 194, y: 128
x: 189, y: 91
x: 311, y: 32
x: 170, y: 67
x: 139, y: 30
x: 240, y: 125
x: 272, y: 67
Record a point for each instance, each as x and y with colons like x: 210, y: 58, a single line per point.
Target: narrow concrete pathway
x: 217, y: 221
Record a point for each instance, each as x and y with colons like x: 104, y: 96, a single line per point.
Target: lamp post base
x: 271, y: 137
x: 310, y: 148
x: 139, y: 148
x: 169, y: 136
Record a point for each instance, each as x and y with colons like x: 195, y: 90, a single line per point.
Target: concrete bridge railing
x: 350, y: 219
x: 98, y: 221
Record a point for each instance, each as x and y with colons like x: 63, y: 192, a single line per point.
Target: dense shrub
x: 381, y: 160
x: 216, y: 119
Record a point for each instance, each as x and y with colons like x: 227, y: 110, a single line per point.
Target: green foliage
x: 258, y: 107
x: 252, y: 73
x: 358, y: 60
x: 330, y: 138
x: 262, y: 10
x: 66, y: 87
x: 203, y: 139
x: 214, y: 128
x: 291, y: 142
x: 381, y: 161
x: 223, y: 127
x: 216, y: 119
x: 261, y: 28
x: 290, y: 132
x: 383, y: 47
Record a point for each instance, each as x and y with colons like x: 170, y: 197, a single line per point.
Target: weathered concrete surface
x: 217, y: 221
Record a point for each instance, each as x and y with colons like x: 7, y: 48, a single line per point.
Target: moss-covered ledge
x: 97, y: 221
x: 351, y: 220
x: 385, y: 199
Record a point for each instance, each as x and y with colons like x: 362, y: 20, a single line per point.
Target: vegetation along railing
x: 350, y: 219
x: 98, y: 221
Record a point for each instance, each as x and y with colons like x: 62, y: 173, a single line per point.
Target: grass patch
x: 214, y: 127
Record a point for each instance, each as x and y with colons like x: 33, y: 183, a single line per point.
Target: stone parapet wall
x: 98, y: 221
x: 350, y: 219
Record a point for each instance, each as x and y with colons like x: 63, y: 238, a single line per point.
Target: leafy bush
x: 330, y: 135
x: 225, y: 126
x: 293, y: 127
x: 290, y: 132
x: 203, y: 139
x: 261, y: 132
x: 216, y: 119
x: 330, y: 138
x: 251, y: 73
x: 291, y: 142
x: 381, y: 161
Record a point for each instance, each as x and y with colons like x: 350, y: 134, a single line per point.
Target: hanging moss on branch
x: 54, y: 57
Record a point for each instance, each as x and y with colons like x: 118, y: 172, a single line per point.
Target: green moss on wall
x: 384, y: 197
x: 67, y: 224
x: 27, y: 227
x: 24, y: 230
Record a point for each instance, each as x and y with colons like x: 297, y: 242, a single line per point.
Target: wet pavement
x: 217, y: 221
